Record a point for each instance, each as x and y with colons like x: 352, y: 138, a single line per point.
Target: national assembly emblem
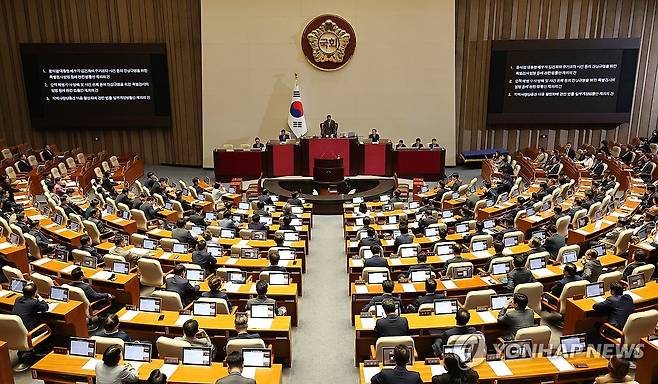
x: 328, y: 42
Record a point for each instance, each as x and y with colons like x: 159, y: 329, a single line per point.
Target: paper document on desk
x: 481, y: 254
x: 487, y: 317
x: 135, y: 364
x: 353, y: 244
x: 369, y: 372
x: 654, y: 342
x: 182, y: 319
x: 634, y: 296
x: 90, y: 365
x: 408, y: 287
x: 41, y: 261
x: 231, y: 260
x: 249, y: 372
x: 140, y: 251
x: 242, y: 243
x: 4, y: 292
x: 561, y: 364
x: 61, y: 230
x: 168, y: 369
x: 395, y: 261
x: 128, y: 315
x: 259, y: 323
x: 437, y: 369
x: 69, y: 268
x: 357, y: 263
x: 488, y: 280
x: 52, y: 306
x: 500, y: 368
x: 368, y: 323
x: 542, y: 272
x: 102, y: 275
x: 231, y: 287
x: 361, y: 289
x: 6, y: 245
x: 449, y: 284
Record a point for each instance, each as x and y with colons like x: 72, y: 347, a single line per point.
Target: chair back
x: 140, y: 219
x: 222, y: 273
x: 647, y: 270
x: 392, y: 342
x: 78, y: 294
x: 221, y: 306
x: 103, y: 343
x: 518, y: 234
x: 168, y: 347
x: 566, y: 248
x: 14, y: 333
x: 110, y: 259
x: 167, y: 244
x: 170, y: 300
x: 412, y: 245
x: 366, y: 270
x: 639, y: 325
x: 534, y: 292
x: 32, y: 246
x: 32, y: 160
x: 591, y: 213
x: 624, y: 238
x: 476, y: 341
x: 150, y: 272
x: 488, y: 238
x: 574, y: 288
x: 137, y: 239
x: 62, y: 169
x: 501, y: 259
x: 80, y: 157
x: 43, y: 283
x: 609, y: 278
x: 562, y: 225
x: 475, y: 299
x: 452, y: 266
x: 539, y: 335
x: 92, y: 231
x: 70, y: 163
x: 579, y: 213
x: 114, y: 161
x: 79, y: 255
x: 237, y: 345
x: 12, y: 273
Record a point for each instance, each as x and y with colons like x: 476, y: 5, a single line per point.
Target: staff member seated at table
x: 404, y: 238
x: 46, y: 244
x: 421, y: 266
x: 520, y: 317
x: 23, y: 165
x: 618, y: 306
x: 417, y: 144
x: 261, y: 298
x: 77, y: 280
x: 29, y: 308
x: 257, y: 144
x: 387, y: 286
x: 399, y: 374
x: 370, y: 239
x: 377, y: 259
x: 255, y: 224
x: 202, y: 257
x: 234, y: 361
x: 519, y: 275
x: 400, y: 144
x: 179, y: 284
x: 198, y: 218
x: 241, y: 326
x: 393, y: 324
x: 456, y: 372
x: 456, y: 258
x: 294, y: 199
x: 284, y: 136
x: 181, y: 234
x: 122, y: 198
x: 462, y: 317
x: 639, y: 259
x: 570, y: 275
x: 429, y: 296
x: 109, y: 371
x: 214, y: 286
x: 434, y: 144
x: 329, y: 127
x: 111, y: 329
x: 273, y: 257
x: 85, y: 242
x: 592, y: 266
x: 226, y: 221
x: 374, y: 136
x: 150, y: 213
x: 618, y: 372
x: 194, y: 335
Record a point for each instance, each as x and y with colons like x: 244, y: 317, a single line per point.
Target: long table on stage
x: 295, y: 158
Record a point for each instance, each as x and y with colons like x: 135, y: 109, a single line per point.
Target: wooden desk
x: 124, y: 287
x: 579, y: 315
x: 423, y: 330
x: 126, y: 226
x: 56, y: 368
x: 647, y: 369
x: 17, y: 254
x: 66, y: 319
x: 58, y: 233
x: 534, y: 370
x: 6, y: 373
x: 146, y: 326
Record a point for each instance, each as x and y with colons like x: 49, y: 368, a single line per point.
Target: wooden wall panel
x: 481, y: 21
x: 174, y: 22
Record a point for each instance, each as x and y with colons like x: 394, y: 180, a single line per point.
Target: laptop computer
x: 517, y: 349
x: 462, y: 272
x: 595, y: 289
x: 262, y: 311
x: 150, y: 304
x: 200, y: 356
x: 204, y: 308
x: 279, y: 278
x: 60, y: 294
x: 496, y: 302
x: 573, y: 343
x: 377, y: 277
x: 445, y: 306
x: 79, y: 346
x: 501, y: 268
x: 137, y: 352
x: 389, y: 360
x: 257, y: 357
x: 121, y: 267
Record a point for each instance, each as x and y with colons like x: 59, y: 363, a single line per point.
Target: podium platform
x: 326, y: 148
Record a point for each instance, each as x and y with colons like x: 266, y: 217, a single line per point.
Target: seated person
x: 109, y: 371
x: 179, y: 284
x: 261, y: 298
x: 417, y: 144
x: 241, y: 326
x: 462, y: 318
x: 85, y: 245
x: 120, y: 242
x: 618, y: 369
x: 393, y: 324
x: 260, y: 209
x: 286, y: 224
x: 377, y: 259
x: 202, y: 257
x: 618, y: 306
x: 592, y: 266
x: 96, y: 219
x: 181, y: 234
x: 374, y: 136
x: 570, y: 275
x: 639, y: 259
x: 257, y: 144
x: 122, y: 198
x: 400, y: 374
x: 422, y: 265
x: 198, y: 218
x: 554, y: 242
x: 77, y: 280
x: 520, y: 317
x: 434, y: 144
x: 194, y: 335
x: 387, y: 286
x: 370, y: 239
x: 45, y: 244
x: 227, y: 222
x: 429, y: 296
x: 294, y: 199
x: 519, y: 275
x: 456, y: 372
x: 284, y: 136
x: 156, y: 377
x: 234, y: 362
x: 456, y: 258
x: 214, y: 291
x: 404, y: 238
x: 273, y: 256
x: 400, y: 144
x: 111, y: 329
x: 150, y: 213
x: 255, y: 224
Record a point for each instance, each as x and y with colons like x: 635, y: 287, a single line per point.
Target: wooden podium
x: 328, y: 170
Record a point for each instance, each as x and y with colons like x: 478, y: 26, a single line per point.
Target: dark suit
x: 375, y: 261
x: 516, y: 319
x: 92, y: 251
x: 406, y: 238
x: 438, y: 344
x: 235, y: 378
x: 369, y: 241
x: 118, y: 335
x: 330, y: 128
x: 89, y: 292
x: 257, y: 226
x: 392, y: 325
x: 46, y: 154
x: 218, y: 295
x: 428, y: 298
x: 123, y: 198
x: 519, y: 276
x: 275, y: 268
x: 183, y: 287
x: 559, y: 286
x: 198, y: 220
x: 294, y: 201
x: 284, y: 137
x: 554, y: 243
x: 205, y: 260
x: 380, y: 298
x: 257, y: 146
x: 627, y: 157
x: 183, y: 235
x: 420, y: 267
x: 397, y: 375
x: 149, y: 212
x: 108, y: 184
x: 455, y: 259
x: 374, y: 137
x: 24, y: 166
x: 244, y: 336
x: 618, y: 308
x: 628, y: 270
x: 28, y: 310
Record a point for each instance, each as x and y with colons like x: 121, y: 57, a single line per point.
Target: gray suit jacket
x: 516, y: 319
x: 235, y: 378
